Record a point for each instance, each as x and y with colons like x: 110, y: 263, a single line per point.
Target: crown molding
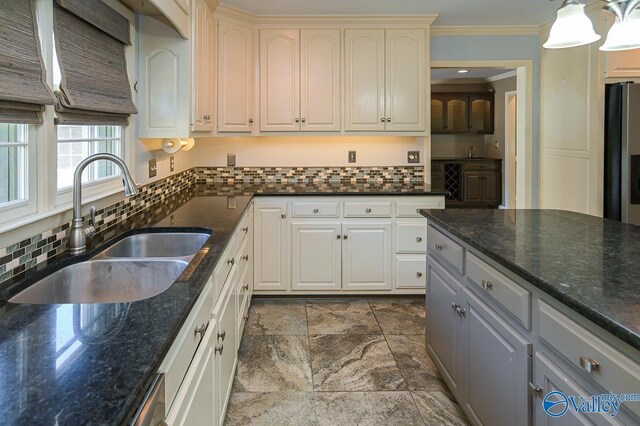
x: 505, y: 75
x: 486, y: 30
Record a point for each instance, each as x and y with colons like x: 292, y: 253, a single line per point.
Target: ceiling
x: 452, y: 12
x: 473, y: 74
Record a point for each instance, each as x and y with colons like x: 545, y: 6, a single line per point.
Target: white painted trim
x: 525, y: 118
x: 503, y: 76
x: 508, y: 164
x: 486, y: 30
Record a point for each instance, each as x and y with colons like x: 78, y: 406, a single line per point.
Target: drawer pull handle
x: 454, y: 306
x: 589, y: 364
x: 316, y: 211
x: 439, y: 247
x: 284, y: 216
x: 219, y: 349
x: 231, y: 261
x: 222, y: 335
x: 461, y: 311
x: 245, y: 257
x: 418, y: 239
x: 536, y: 390
x: 245, y: 287
x: 245, y: 229
x: 246, y: 317
x: 368, y: 210
x: 419, y: 274
x: 344, y: 237
x: 201, y: 330
x: 487, y: 285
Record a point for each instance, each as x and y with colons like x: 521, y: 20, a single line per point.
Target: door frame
x: 510, y: 161
x: 524, y: 131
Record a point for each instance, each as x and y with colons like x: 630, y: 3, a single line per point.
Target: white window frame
x: 28, y: 206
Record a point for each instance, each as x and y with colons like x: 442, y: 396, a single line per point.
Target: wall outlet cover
x: 231, y: 160
x: 172, y: 164
x: 153, y: 168
x: 413, y: 157
x: 352, y: 156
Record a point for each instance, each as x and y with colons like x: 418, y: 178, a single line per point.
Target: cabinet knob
x: 536, y: 390
x: 246, y: 317
x: 389, y: 120
x: 439, y: 247
x: 297, y: 120
x: 219, y: 349
x: 245, y: 257
x: 222, y: 335
x: 284, y: 216
x: 231, y: 261
x: 418, y: 239
x: 368, y: 210
x: 454, y: 306
x: 245, y: 287
x: 419, y: 274
x: 201, y: 330
x: 245, y: 229
x: 382, y: 120
x: 207, y: 117
x: 487, y: 285
x: 339, y: 236
x: 316, y: 211
x: 251, y: 121
x: 304, y: 120
x: 345, y: 236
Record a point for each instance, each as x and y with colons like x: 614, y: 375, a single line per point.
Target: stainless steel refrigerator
x: 622, y: 153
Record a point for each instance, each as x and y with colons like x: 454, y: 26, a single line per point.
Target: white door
x: 279, y: 80
x: 316, y: 256
x: 366, y: 256
x: 320, y: 80
x: 270, y: 246
x: 364, y: 80
x: 406, y: 80
x: 235, y: 77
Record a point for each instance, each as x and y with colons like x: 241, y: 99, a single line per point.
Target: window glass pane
x: 14, y: 145
x: 76, y: 143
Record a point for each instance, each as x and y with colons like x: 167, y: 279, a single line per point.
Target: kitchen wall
x: 269, y: 151
x: 456, y: 146
x: 500, y: 87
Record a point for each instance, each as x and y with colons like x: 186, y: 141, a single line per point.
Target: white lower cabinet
x: 316, y: 256
x: 225, y: 349
x: 366, y: 255
x: 410, y: 271
x: 271, y: 243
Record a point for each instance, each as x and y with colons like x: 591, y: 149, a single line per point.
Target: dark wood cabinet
x: 437, y: 177
x: 462, y: 113
x: 482, y: 188
x: 470, y: 182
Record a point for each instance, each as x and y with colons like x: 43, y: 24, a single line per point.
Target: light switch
x: 231, y: 160
x: 352, y: 156
x: 153, y: 168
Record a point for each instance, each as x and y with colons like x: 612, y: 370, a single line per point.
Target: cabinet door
x: 279, y: 80
x: 366, y: 256
x: 457, y: 114
x: 320, y: 80
x: 481, y: 114
x: 225, y: 344
x: 406, y: 80
x: 437, y: 114
x: 443, y: 324
x: 364, y: 84
x: 494, y: 353
x: 623, y: 64
x: 473, y: 187
x: 270, y: 246
x: 203, y: 76
x: 235, y: 77
x: 492, y: 185
x: 316, y: 256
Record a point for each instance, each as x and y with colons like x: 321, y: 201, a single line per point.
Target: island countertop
x: 590, y: 264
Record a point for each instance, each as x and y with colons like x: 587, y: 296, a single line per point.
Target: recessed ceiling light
x: 463, y: 71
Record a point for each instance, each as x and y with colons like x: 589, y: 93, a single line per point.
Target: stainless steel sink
x: 104, y: 281
x: 173, y: 244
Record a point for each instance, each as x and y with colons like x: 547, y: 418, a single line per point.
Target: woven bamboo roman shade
x: 90, y: 42
x: 23, y: 87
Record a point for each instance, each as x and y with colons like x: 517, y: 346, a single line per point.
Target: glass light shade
x: 624, y: 34
x: 571, y: 28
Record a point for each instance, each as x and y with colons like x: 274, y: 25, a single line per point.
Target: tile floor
x: 338, y: 362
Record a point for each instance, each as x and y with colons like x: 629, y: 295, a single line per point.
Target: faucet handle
x: 91, y: 228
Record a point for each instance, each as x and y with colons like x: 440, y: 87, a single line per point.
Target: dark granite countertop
x: 588, y: 263
x: 91, y: 363
x: 466, y: 159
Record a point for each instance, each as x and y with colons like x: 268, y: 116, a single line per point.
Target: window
x: 14, y: 163
x: 75, y: 143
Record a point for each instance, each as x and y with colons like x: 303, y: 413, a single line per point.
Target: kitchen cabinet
x: 366, y: 255
x: 462, y: 113
x: 471, y: 182
x: 437, y: 176
x: 174, y: 12
x: 225, y: 350
x: 299, y: 80
x: 385, y: 81
x: 316, y: 256
x: 482, y: 187
x: 203, y: 51
x: 235, y: 77
x: 623, y: 64
x: 271, y: 242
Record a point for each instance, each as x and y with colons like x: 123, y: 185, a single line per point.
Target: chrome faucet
x: 79, y: 233
x: 471, y: 151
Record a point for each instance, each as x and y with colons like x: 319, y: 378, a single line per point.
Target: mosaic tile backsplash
x: 19, y: 258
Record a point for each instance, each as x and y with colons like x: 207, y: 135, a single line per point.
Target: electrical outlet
x: 497, y: 144
x: 352, y: 156
x: 231, y: 160
x: 153, y: 168
x: 413, y: 157
x: 172, y: 164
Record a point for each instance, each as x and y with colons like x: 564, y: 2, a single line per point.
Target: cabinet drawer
x: 240, y: 236
x: 316, y: 209
x: 507, y: 293
x: 610, y: 368
x: 367, y: 209
x: 410, y: 271
x: 182, y: 351
x: 222, y: 269
x: 444, y: 248
x: 482, y: 165
x: 412, y: 208
x: 411, y: 238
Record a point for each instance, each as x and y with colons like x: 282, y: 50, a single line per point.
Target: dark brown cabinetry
x: 470, y: 182
x: 462, y: 113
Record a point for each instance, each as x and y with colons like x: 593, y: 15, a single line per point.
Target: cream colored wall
x: 289, y: 151
x: 147, y: 149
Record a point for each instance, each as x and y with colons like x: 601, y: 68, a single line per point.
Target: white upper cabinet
x: 364, y: 80
x: 406, y: 80
x: 386, y: 80
x: 203, y: 44
x: 623, y: 64
x: 235, y: 77
x: 279, y: 80
x: 320, y: 80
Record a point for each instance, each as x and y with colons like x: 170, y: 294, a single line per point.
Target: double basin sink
x: 135, y: 268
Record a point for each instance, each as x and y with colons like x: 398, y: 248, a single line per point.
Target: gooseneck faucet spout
x: 79, y: 233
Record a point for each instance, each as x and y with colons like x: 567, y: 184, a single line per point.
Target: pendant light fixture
x: 574, y: 28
